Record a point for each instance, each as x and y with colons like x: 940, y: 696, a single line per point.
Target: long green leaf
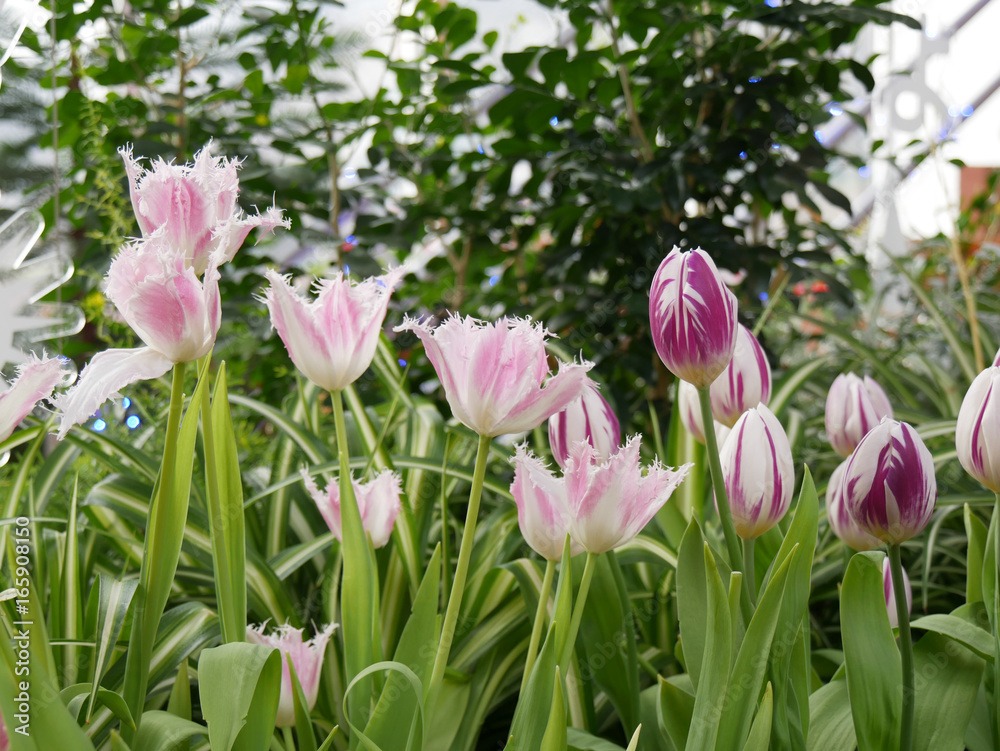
x: 946, y: 693
x: 760, y: 733
x: 114, y: 598
x: 239, y: 685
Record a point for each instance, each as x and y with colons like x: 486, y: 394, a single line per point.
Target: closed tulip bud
x: 173, y: 311
x: 977, y: 433
x: 890, y: 593
x: 758, y: 471
x: 745, y: 383
x: 331, y: 339
x: 493, y: 373
x: 307, y: 657
x: 542, y: 506
x: 840, y: 519
x: 611, y: 501
x: 194, y: 207
x: 853, y: 407
x: 588, y: 418
x: 36, y: 380
x: 889, y: 484
x: 690, y: 412
x: 692, y: 317
x: 378, y: 503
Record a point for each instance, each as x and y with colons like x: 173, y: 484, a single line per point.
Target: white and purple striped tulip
x: 589, y: 418
x: 542, y: 506
x: 759, y: 472
x: 890, y: 593
x: 977, y: 432
x: 692, y: 317
x: 690, y: 411
x: 333, y: 338
x: 307, y: 657
x: 745, y: 383
x: 840, y: 519
x: 853, y: 407
x: 378, y: 503
x: 493, y: 373
x: 611, y: 501
x: 36, y: 380
x: 194, y: 206
x: 889, y: 484
x: 174, y: 312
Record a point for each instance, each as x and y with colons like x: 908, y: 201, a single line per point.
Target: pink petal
x: 36, y: 379
x: 542, y: 506
x: 379, y: 504
x: 106, y: 373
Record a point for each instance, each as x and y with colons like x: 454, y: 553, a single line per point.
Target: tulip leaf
x: 179, y: 703
x: 948, y: 678
x: 688, y: 499
x: 976, y: 639
x: 555, y: 732
x: 633, y: 744
x: 414, y: 732
x: 749, y: 667
x: 760, y: 732
x: 239, y: 685
x: 562, y: 614
x: 162, y: 731
x: 580, y: 740
x: 692, y: 601
x: 225, y: 492
x: 831, y: 727
x: 975, y: 532
x: 303, y: 725
x: 874, y: 672
x: 113, y: 598
x: 397, y: 703
x: 529, y: 725
x: 674, y: 708
x: 712, y: 695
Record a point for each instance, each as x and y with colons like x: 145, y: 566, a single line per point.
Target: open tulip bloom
x: 589, y: 418
x: 194, y: 206
x: 542, y: 506
x: 306, y: 656
x: 36, y: 380
x: 854, y: 406
x: 174, y: 312
x: 378, y: 503
x: 331, y: 339
x: 496, y: 374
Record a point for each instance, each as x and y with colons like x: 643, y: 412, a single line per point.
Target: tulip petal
x: 36, y: 379
x: 542, y: 506
x: 101, y: 380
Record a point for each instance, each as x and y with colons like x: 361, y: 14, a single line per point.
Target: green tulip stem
x: 536, y: 629
x: 286, y: 736
x: 462, y: 569
x: 905, y: 648
x: 581, y: 601
x: 749, y: 571
x: 722, y: 498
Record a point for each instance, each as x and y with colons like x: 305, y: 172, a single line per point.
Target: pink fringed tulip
x: 378, y: 503
x: 690, y: 412
x: 542, y: 506
x: 758, y: 471
x: 692, y: 317
x: 977, y: 433
x: 890, y: 593
x: 611, y: 501
x: 889, y: 484
x: 36, y: 380
x: 492, y: 373
x: 841, y: 522
x: 331, y: 339
x: 853, y: 407
x: 589, y: 418
x: 307, y: 657
x: 173, y: 311
x: 194, y: 206
x: 745, y: 383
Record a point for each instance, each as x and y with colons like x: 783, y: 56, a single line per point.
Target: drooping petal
x: 36, y: 380
x: 542, y: 506
x: 104, y: 376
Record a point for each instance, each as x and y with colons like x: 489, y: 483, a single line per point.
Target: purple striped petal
x: 853, y: 407
x: 977, y: 432
x: 889, y: 483
x: 758, y: 471
x: 692, y: 316
x: 494, y: 374
x: 840, y: 519
x: 746, y: 381
x: 890, y: 593
x: 589, y: 418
